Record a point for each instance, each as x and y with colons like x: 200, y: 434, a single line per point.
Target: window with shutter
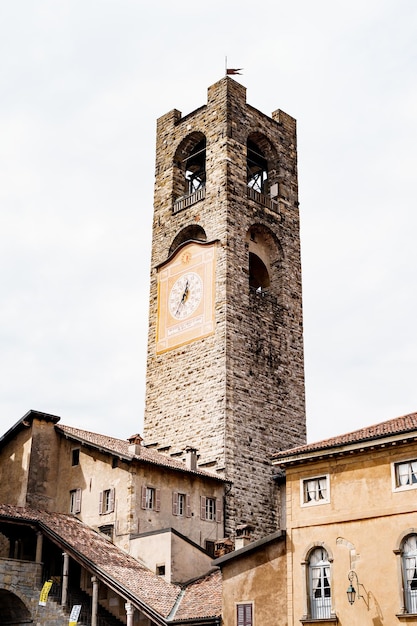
x: 107, y: 500
x: 75, y: 501
x: 175, y: 503
x: 151, y: 499
x: 143, y: 498
x: 210, y: 509
x: 218, y: 511
x: 244, y: 614
x: 202, y: 507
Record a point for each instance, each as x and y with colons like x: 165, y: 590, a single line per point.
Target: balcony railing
x: 185, y: 201
x: 261, y: 198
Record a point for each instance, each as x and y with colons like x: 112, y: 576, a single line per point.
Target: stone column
x: 39, y: 543
x: 129, y: 614
x: 65, y: 579
x: 94, y: 603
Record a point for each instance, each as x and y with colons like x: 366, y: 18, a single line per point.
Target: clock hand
x: 183, y: 298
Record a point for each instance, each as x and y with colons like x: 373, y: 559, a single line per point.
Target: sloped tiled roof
x: 404, y: 425
x: 122, y: 572
x: 202, y: 598
x: 120, y: 447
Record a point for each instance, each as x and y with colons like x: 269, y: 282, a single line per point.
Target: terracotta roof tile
x: 202, y: 598
x: 121, y: 447
x: 104, y: 558
x: 396, y: 426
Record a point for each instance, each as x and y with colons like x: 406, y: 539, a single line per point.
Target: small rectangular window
x: 106, y: 501
x: 210, y: 509
x: 405, y: 475
x: 210, y: 547
x: 244, y: 614
x: 181, y: 504
x: 75, y: 501
x: 75, y: 457
x: 315, y: 491
x: 151, y: 498
x: 107, y: 529
x: 160, y: 570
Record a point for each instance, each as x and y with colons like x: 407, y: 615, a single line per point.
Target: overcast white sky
x: 82, y: 83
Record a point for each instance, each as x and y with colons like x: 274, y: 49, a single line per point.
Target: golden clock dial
x: 185, y: 295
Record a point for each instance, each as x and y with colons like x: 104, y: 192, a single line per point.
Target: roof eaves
x: 138, y: 457
x: 115, y: 585
x: 312, y: 452
x: 254, y: 545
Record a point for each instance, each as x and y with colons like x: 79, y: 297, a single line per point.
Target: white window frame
x: 75, y: 501
x: 150, y: 498
x: 182, y: 504
x: 210, y: 509
x: 107, y: 501
x: 407, y: 474
x: 319, y: 584
x: 409, y: 566
x: 314, y: 487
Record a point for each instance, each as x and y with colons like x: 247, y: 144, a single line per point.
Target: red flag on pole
x: 233, y: 71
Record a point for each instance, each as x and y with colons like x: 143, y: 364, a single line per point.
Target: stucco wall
x: 259, y: 578
x: 361, y: 528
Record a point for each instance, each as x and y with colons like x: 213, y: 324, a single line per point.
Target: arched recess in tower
x: 261, y: 159
x: 194, y: 232
x: 190, y: 165
x: 264, y: 259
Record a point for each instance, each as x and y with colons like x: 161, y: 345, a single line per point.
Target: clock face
x: 186, y: 288
x: 185, y: 295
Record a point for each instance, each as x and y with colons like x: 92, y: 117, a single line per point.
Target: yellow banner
x: 43, y: 598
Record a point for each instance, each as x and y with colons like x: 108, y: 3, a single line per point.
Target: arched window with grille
x: 319, y: 584
x: 409, y: 567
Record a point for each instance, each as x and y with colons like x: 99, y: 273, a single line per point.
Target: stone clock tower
x: 225, y: 371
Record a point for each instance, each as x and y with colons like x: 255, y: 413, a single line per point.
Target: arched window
x: 195, y: 167
x: 258, y: 274
x: 409, y: 567
x: 194, y: 232
x: 257, y: 167
x: 190, y: 167
x: 319, y: 584
x: 264, y: 257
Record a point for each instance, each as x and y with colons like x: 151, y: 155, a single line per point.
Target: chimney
x: 191, y: 458
x: 243, y: 535
x: 135, y: 444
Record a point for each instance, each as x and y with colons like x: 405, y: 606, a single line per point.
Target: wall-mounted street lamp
x: 351, y: 591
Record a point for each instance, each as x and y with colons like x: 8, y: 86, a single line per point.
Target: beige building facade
x: 352, y: 522
x: 119, y: 488
x: 254, y: 583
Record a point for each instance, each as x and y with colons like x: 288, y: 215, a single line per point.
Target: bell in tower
x: 225, y: 369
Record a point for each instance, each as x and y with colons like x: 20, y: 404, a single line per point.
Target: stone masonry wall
x: 23, y: 580
x: 238, y: 395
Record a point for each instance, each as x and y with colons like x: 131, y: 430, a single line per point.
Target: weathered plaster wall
x: 259, y: 578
